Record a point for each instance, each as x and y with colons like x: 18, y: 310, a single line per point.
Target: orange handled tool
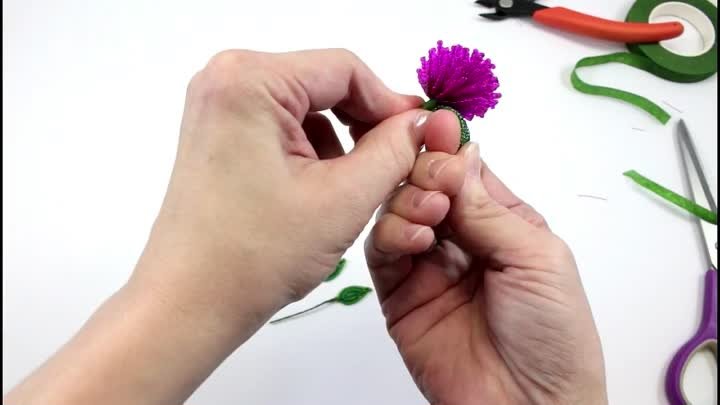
x: 583, y: 24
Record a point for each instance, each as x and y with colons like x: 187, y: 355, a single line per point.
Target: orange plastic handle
x: 583, y: 24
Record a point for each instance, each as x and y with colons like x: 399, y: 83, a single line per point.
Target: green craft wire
x: 347, y: 296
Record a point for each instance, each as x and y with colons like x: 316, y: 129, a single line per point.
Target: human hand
x: 263, y: 202
x: 261, y: 205
x: 495, y: 313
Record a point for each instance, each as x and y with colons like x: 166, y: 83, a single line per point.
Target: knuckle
x: 398, y: 157
x: 372, y: 248
x: 231, y: 58
x: 399, y: 199
x: 482, y: 208
x: 530, y: 214
x: 389, y: 204
x: 346, y: 54
x: 387, y: 233
x: 539, y: 221
x: 557, y: 252
x: 559, y: 248
x: 228, y: 76
x: 381, y: 226
x: 194, y: 83
x: 391, y: 155
x: 422, y: 167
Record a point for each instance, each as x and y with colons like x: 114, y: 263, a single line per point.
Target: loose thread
x: 595, y: 197
x: 672, y: 106
x: 285, y: 318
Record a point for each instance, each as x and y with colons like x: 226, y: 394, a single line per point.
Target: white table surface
x: 93, y: 95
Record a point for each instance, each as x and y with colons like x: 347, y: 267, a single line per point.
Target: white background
x: 93, y: 95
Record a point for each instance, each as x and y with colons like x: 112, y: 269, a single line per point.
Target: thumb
x: 382, y: 158
x: 484, y: 226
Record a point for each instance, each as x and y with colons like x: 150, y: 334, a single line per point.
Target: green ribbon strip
x: 626, y: 58
x: 673, y: 197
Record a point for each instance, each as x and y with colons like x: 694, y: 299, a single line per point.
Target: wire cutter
x: 583, y: 24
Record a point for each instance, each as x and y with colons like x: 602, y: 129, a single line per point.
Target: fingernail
x: 421, y: 119
x: 437, y: 166
x: 421, y: 197
x: 412, y: 232
x: 472, y: 160
x: 432, y: 246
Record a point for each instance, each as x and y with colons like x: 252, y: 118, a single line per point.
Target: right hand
x: 495, y: 313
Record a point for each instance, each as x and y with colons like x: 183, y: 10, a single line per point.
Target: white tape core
x: 693, y: 20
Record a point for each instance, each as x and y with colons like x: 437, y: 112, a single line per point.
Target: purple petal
x: 457, y: 78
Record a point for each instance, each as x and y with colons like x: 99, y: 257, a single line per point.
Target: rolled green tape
x: 654, y: 58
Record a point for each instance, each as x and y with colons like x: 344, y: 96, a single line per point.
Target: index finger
x: 338, y: 78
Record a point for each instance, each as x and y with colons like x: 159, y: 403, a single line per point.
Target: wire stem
x: 285, y: 318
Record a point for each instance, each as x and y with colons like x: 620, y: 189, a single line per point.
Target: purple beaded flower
x: 452, y: 77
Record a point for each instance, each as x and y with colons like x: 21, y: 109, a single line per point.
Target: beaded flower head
x: 459, y: 81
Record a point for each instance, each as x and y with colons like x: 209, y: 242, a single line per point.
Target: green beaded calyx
x: 432, y: 105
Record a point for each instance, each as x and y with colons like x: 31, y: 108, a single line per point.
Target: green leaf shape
x: 352, y: 295
x: 338, y: 269
x: 673, y: 197
x: 347, y: 296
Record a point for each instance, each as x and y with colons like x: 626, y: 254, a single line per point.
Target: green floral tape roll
x: 657, y: 59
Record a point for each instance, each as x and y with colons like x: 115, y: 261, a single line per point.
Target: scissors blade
x: 699, y: 190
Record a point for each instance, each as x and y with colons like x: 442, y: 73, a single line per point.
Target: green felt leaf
x: 338, y: 269
x: 352, y: 295
x: 673, y: 197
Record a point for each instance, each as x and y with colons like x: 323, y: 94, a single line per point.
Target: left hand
x: 261, y: 205
x: 262, y: 197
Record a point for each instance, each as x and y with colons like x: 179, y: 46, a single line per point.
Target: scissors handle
x: 584, y: 24
x: 705, y: 338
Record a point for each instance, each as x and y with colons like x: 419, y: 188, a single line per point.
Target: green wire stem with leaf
x: 348, y: 296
